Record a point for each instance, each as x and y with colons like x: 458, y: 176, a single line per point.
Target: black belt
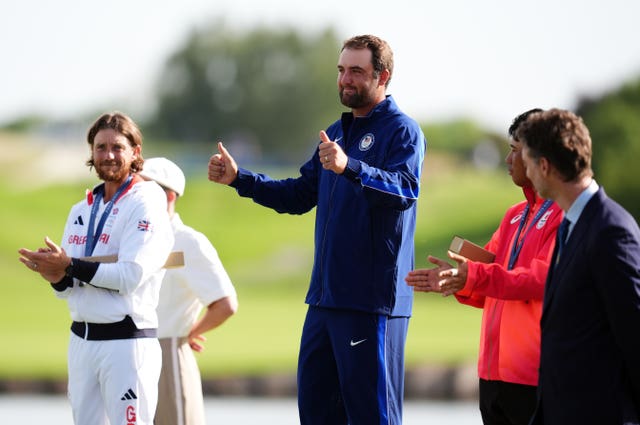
x: 125, y: 329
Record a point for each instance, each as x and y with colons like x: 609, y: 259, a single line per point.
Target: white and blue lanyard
x: 518, y: 242
x: 92, y: 237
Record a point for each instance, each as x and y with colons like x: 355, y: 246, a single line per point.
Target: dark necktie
x: 561, y: 237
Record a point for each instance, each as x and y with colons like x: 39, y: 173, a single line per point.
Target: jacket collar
x: 533, y: 199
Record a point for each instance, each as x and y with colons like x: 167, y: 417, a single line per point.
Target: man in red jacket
x: 510, y: 292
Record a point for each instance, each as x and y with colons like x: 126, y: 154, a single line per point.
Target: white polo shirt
x: 187, y: 290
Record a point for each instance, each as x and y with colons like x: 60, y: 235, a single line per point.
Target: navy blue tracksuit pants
x: 351, y: 368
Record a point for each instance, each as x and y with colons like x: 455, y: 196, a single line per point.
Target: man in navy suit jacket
x: 590, y: 352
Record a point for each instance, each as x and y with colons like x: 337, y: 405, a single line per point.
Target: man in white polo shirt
x: 202, y: 282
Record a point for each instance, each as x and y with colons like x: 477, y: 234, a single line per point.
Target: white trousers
x: 114, y: 382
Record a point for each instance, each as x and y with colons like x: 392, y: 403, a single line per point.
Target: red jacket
x: 512, y: 299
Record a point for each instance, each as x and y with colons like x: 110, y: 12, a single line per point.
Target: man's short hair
x: 562, y: 138
x: 381, y: 53
x: 519, y: 120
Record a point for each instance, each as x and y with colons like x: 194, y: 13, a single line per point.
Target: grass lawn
x: 267, y: 255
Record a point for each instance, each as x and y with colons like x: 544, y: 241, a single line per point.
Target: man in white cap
x: 185, y: 291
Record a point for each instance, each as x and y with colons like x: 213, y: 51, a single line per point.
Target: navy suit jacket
x: 590, y: 352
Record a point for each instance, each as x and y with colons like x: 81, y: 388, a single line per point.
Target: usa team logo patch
x: 366, y: 142
x: 144, y: 225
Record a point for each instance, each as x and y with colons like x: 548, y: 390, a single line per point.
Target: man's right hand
x: 444, y: 279
x: 222, y: 167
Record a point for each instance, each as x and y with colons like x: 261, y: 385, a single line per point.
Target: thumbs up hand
x: 331, y: 155
x: 222, y: 167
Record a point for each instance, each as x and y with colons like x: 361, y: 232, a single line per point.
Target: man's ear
x: 384, y: 77
x: 545, y: 166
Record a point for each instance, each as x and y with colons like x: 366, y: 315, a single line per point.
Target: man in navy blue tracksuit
x: 364, y: 180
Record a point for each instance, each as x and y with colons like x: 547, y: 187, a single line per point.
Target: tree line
x: 266, y: 92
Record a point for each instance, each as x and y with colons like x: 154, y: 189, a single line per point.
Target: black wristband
x: 69, y: 270
x: 66, y: 282
x: 82, y: 270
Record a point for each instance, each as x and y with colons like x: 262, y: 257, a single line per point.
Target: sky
x: 484, y: 60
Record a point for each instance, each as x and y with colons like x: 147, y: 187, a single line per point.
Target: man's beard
x: 112, y: 175
x: 356, y: 100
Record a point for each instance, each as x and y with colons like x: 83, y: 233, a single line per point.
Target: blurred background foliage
x: 266, y: 92
x: 614, y: 124
x: 257, y: 91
